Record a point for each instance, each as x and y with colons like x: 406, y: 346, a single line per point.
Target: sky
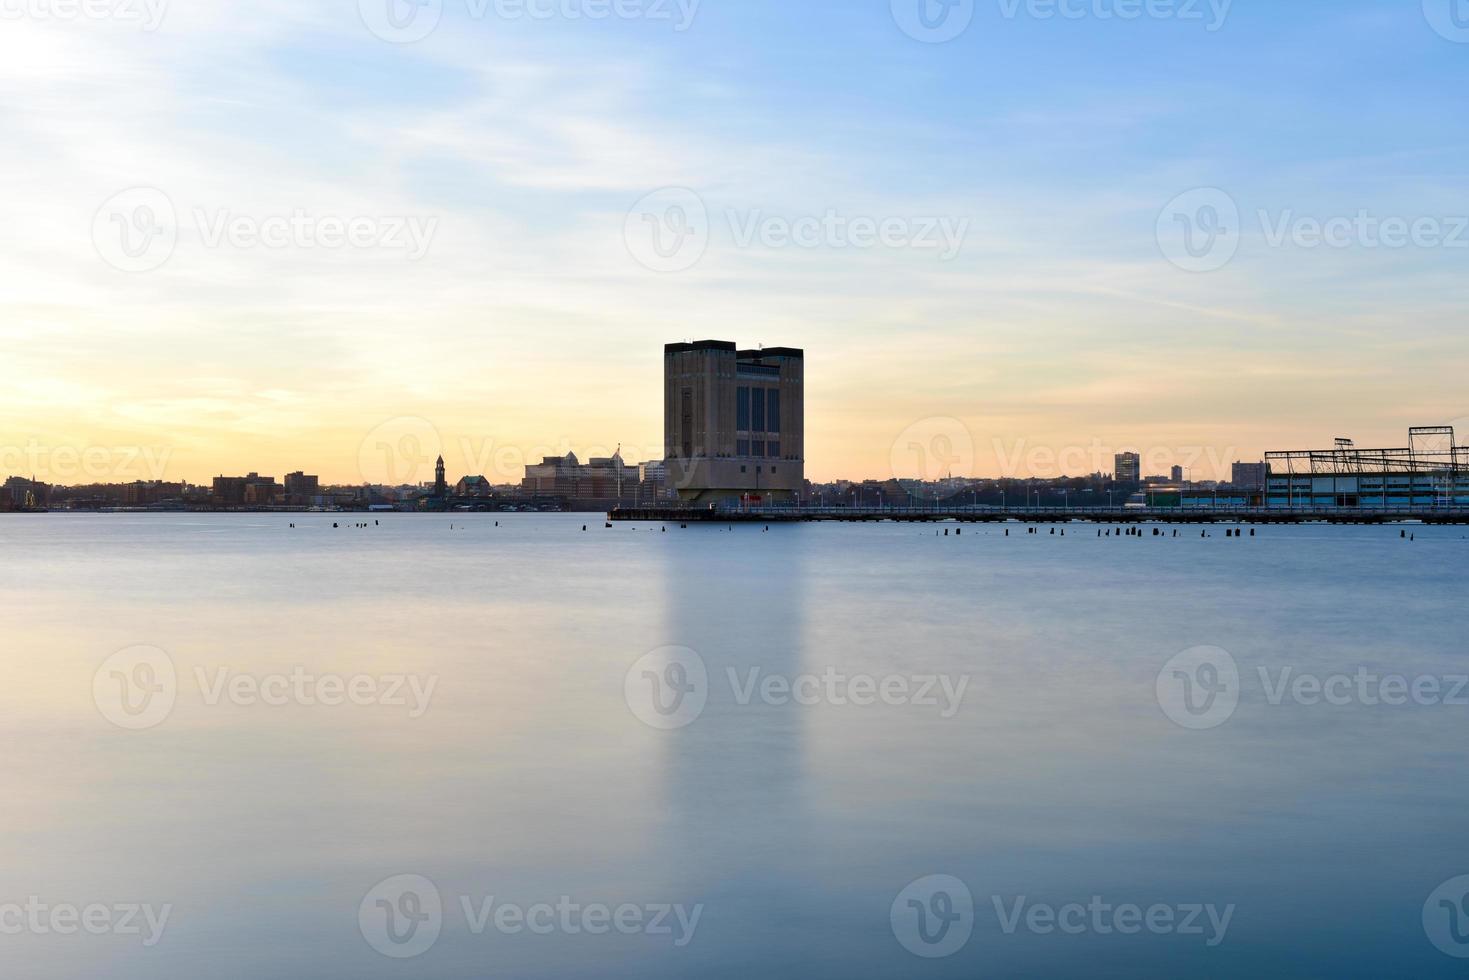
x: 1013, y: 237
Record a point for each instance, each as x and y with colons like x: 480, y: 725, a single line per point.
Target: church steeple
x: 441, y: 486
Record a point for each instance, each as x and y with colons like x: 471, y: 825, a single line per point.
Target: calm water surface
x: 793, y: 827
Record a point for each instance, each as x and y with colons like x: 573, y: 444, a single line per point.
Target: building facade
x: 473, y: 486
x: 734, y: 422
x: 1128, y: 468
x: 20, y: 493
x: 251, y: 490
x: 1249, y: 476
x: 1431, y: 472
x: 601, y: 480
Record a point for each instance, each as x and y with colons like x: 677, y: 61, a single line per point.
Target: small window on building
x: 757, y: 449
x: 742, y: 447
x: 772, y: 449
x: 742, y: 469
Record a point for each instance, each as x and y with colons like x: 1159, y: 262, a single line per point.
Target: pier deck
x: 1043, y: 515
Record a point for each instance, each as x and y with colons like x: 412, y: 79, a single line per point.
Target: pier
x: 1043, y: 515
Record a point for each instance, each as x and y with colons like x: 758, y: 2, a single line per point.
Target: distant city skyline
x: 502, y: 463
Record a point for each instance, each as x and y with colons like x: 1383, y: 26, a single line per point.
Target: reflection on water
x: 268, y: 808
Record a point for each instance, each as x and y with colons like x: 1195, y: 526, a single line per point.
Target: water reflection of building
x: 737, y: 780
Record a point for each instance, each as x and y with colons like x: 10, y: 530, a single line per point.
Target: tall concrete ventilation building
x: 734, y: 422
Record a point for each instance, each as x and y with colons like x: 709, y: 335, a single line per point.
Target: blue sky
x: 530, y: 322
